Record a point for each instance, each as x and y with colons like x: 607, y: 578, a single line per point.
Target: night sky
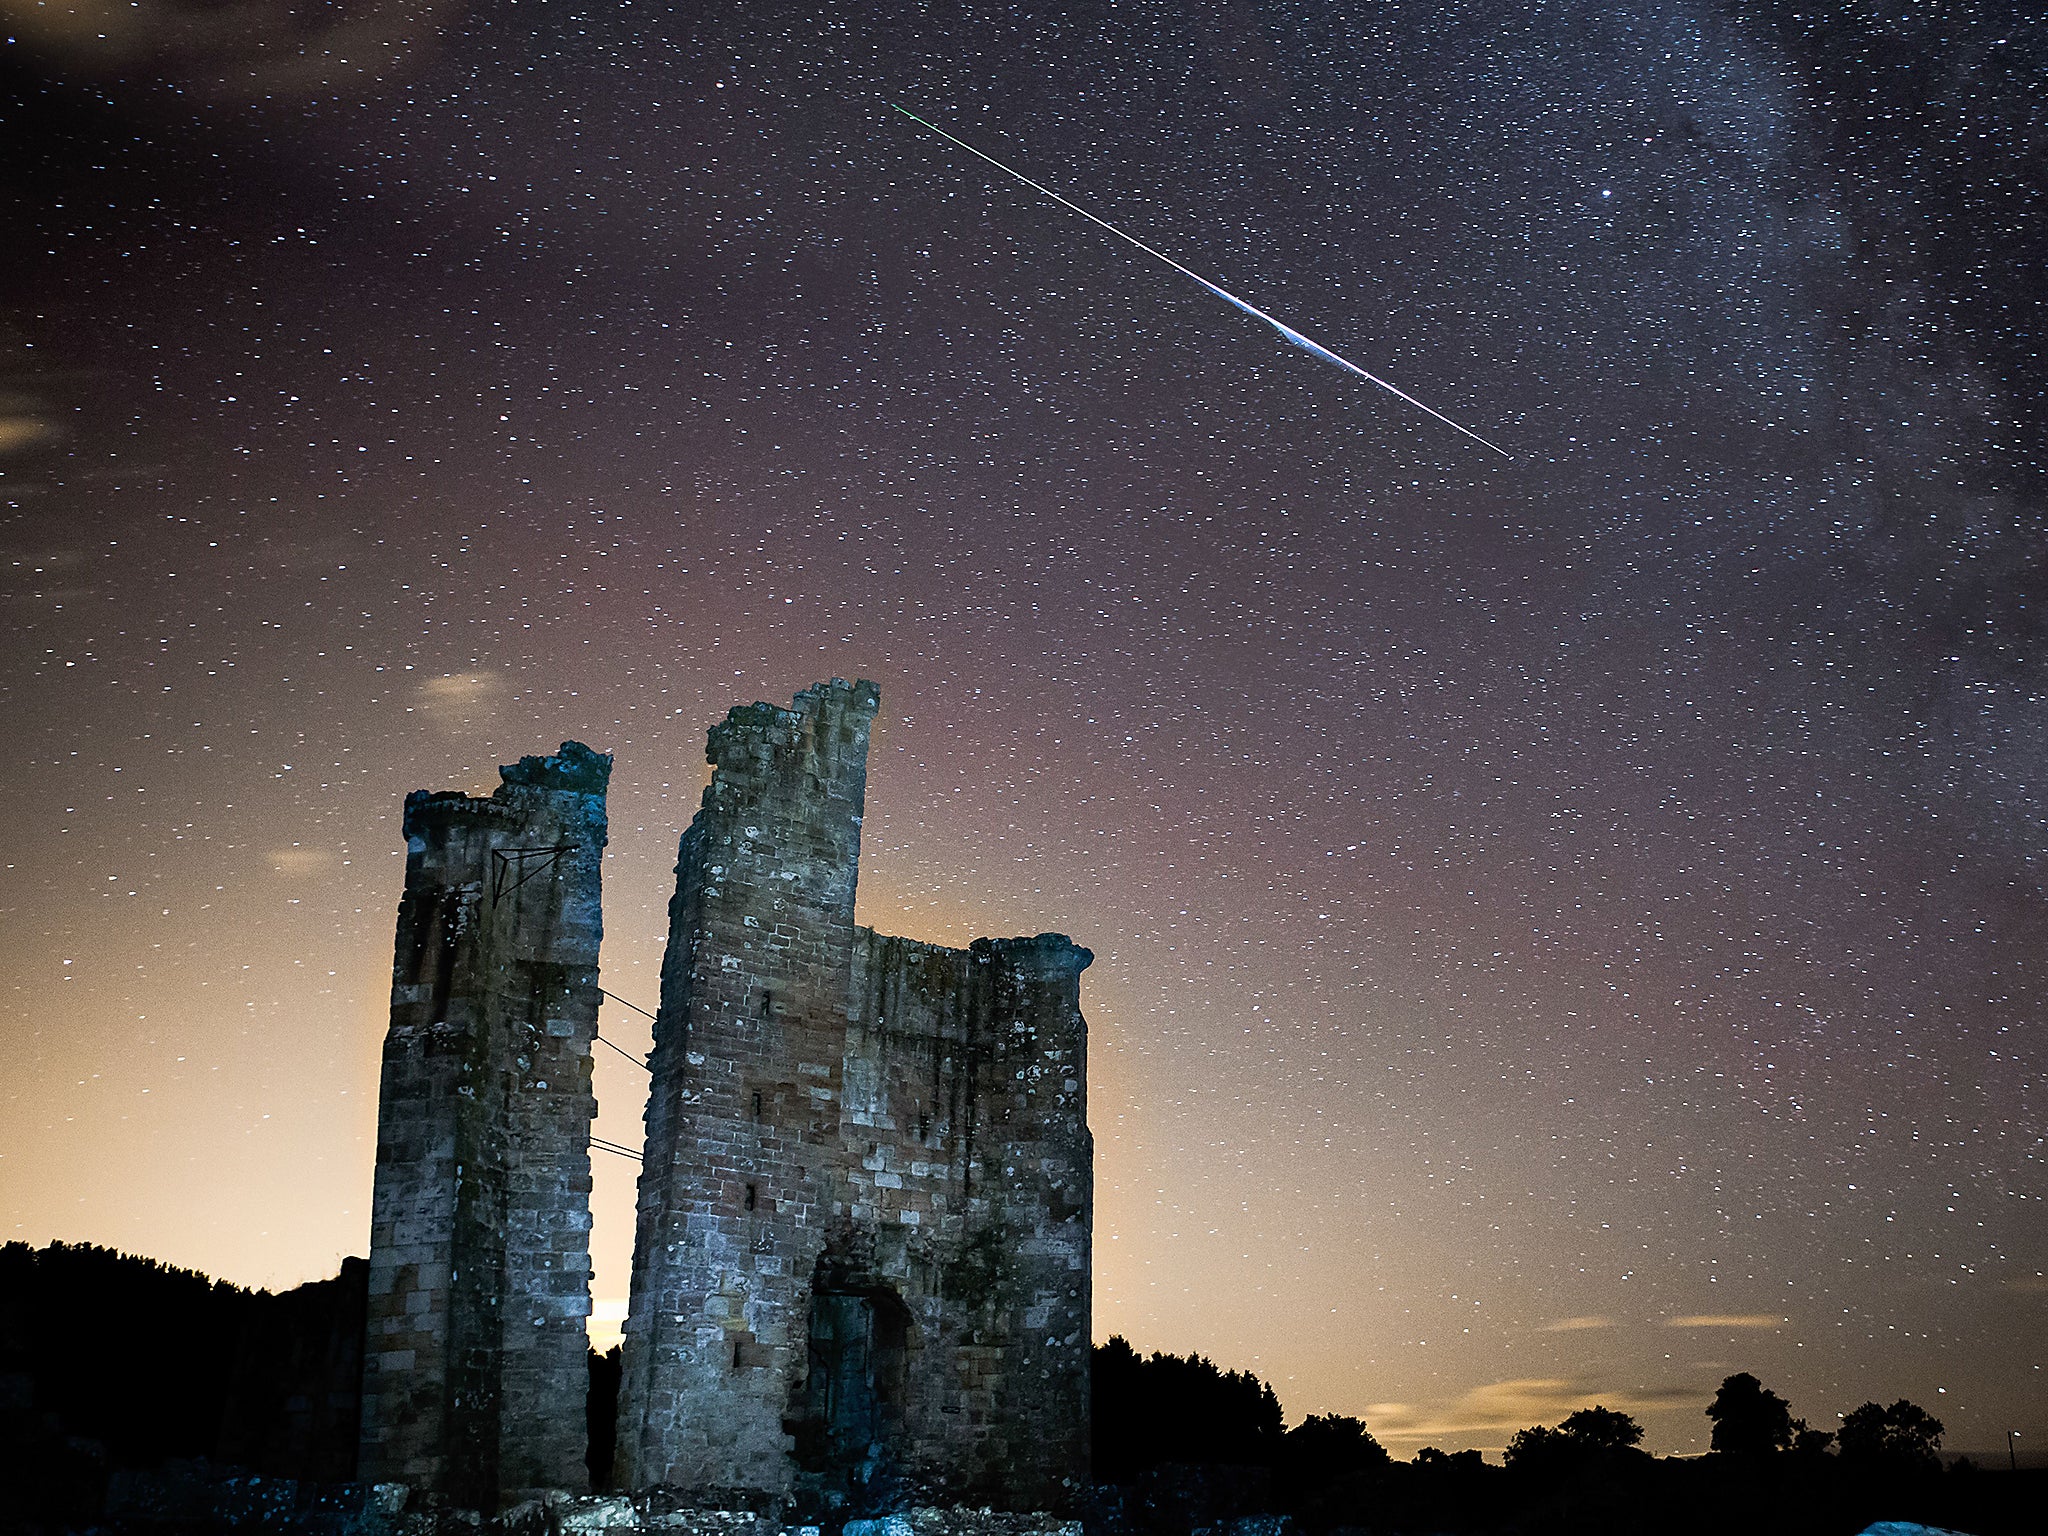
x: 1566, y: 930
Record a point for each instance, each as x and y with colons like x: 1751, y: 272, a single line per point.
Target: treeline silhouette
x: 110, y: 1359
x: 107, y: 1360
x: 1175, y: 1408
x: 121, y: 1350
x: 1187, y: 1446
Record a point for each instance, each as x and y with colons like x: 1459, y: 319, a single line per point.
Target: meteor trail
x: 1287, y: 332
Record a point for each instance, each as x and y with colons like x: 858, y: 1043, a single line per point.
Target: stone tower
x: 474, y: 1367
x: 863, y: 1240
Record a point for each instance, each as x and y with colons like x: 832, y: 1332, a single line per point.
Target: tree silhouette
x: 1903, y: 1437
x: 1536, y: 1449
x: 1589, y: 1439
x: 1326, y: 1448
x: 1430, y: 1457
x: 1602, y: 1429
x: 1177, y: 1408
x: 1808, y: 1441
x: 1749, y: 1420
x: 1436, y: 1491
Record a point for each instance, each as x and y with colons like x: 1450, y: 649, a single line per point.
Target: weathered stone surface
x: 596, y: 1514
x: 479, y: 1283
x: 862, y: 1255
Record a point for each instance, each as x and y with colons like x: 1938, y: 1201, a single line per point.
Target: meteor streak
x: 1287, y: 332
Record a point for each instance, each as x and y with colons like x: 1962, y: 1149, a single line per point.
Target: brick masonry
x: 479, y: 1281
x: 861, y: 1267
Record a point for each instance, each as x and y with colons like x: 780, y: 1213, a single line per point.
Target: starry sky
x: 1566, y: 930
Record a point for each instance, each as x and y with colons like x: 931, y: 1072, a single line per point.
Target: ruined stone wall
x: 862, y: 1257
x: 972, y: 1168
x: 479, y: 1282
x: 742, y: 1151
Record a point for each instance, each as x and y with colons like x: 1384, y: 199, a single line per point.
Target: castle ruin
x: 861, y: 1262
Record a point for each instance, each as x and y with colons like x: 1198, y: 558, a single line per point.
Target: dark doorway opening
x: 854, y: 1394
x: 601, y: 1416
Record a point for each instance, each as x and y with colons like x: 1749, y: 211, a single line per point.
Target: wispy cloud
x: 22, y: 431
x: 299, y: 860
x: 459, y: 688
x: 2029, y: 1285
x: 1727, y: 1320
x: 459, y: 700
x: 53, y: 576
x: 265, y: 47
x: 1576, y: 1324
x: 1497, y: 1410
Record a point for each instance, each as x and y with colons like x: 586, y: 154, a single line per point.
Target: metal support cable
x: 623, y: 1003
x: 625, y: 1053
x: 637, y: 1061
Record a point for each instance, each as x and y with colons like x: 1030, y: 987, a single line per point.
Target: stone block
x: 613, y: 1512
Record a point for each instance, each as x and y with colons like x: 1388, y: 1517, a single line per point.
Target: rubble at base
x: 195, y: 1497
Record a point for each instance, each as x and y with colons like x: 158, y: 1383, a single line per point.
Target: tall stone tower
x: 863, y: 1239
x: 474, y: 1367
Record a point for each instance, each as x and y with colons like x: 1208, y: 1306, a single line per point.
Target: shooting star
x: 1287, y: 332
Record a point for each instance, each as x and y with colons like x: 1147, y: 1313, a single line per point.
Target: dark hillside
x: 122, y: 1350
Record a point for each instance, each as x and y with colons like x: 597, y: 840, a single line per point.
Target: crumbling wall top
x: 1044, y: 954
x: 575, y: 769
x: 428, y: 807
x: 749, y: 728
